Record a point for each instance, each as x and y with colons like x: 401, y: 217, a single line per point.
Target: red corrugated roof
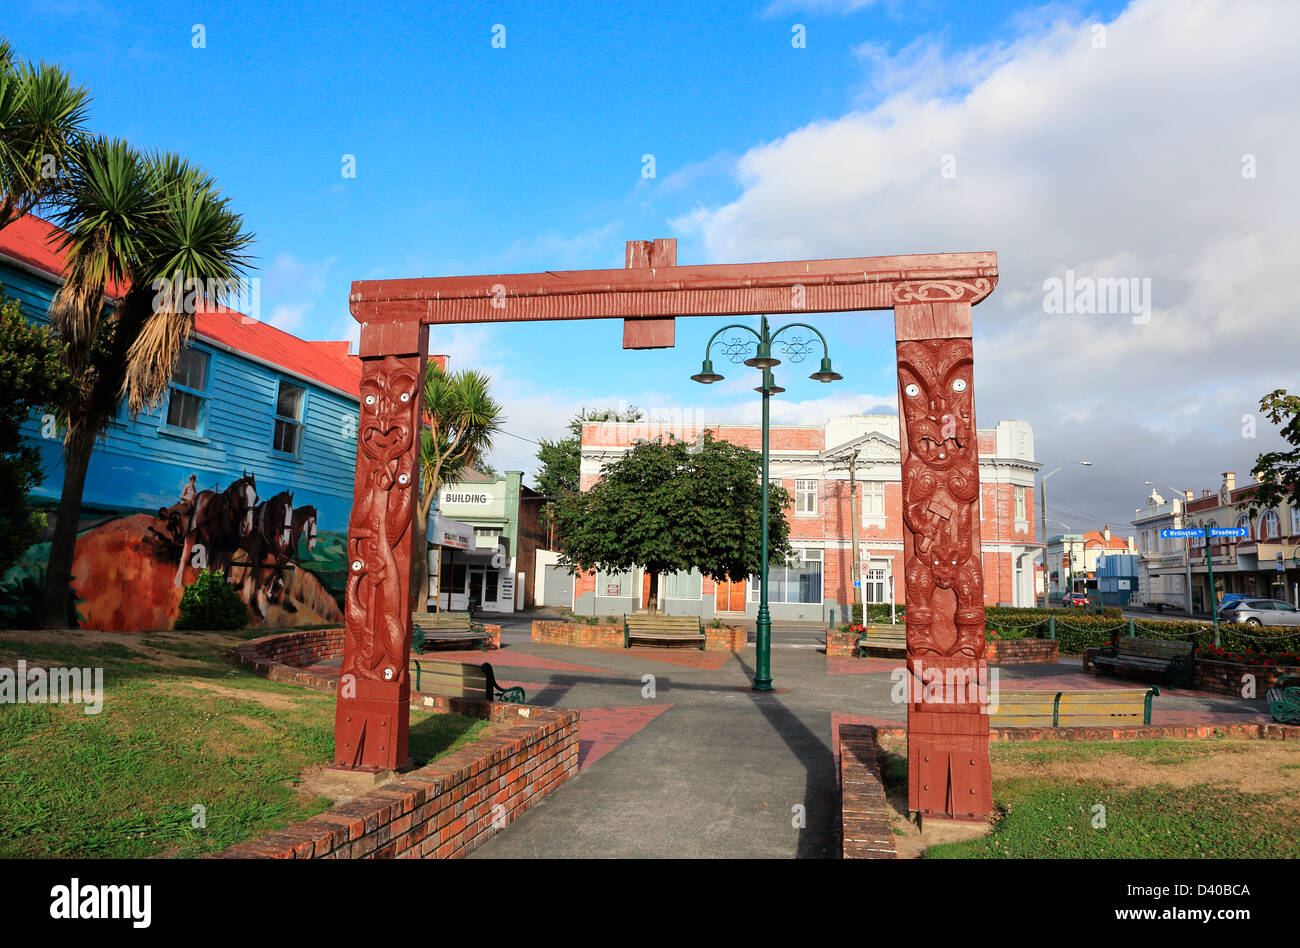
x: 35, y: 242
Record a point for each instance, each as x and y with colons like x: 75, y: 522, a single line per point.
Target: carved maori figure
x: 941, y: 494
x: 378, y: 591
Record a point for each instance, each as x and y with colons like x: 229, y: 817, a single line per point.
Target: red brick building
x: 810, y: 461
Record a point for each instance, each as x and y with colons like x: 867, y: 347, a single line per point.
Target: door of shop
x: 484, y: 584
x: 730, y: 597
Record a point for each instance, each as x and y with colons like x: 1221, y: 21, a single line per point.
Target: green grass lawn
x: 1212, y: 798
x: 181, y: 727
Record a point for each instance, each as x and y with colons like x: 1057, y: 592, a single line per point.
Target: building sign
x: 472, y: 498
x: 507, y: 590
x: 452, y: 533
x: 612, y: 589
x: 1123, y: 584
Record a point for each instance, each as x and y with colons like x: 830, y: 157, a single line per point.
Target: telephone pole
x: 855, y: 567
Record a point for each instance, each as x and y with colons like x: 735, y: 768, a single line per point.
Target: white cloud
x: 1119, y: 161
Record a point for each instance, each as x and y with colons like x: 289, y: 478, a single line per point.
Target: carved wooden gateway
x: 931, y: 295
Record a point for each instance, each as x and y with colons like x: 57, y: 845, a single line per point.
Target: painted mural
x: 130, y: 570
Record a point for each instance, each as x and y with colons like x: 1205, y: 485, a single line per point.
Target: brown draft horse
x: 218, y: 523
x: 269, y: 547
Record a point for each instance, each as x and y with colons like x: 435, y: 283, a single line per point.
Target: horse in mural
x: 304, y: 526
x: 217, y: 524
x: 269, y: 547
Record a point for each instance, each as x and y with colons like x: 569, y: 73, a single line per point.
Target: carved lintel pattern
x: 943, y: 291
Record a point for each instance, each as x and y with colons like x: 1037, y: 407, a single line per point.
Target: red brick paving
x: 510, y: 658
x: 687, y: 657
x: 843, y: 665
x: 600, y: 730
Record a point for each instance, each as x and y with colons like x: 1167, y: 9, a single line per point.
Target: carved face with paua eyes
x: 387, y: 421
x: 934, y: 384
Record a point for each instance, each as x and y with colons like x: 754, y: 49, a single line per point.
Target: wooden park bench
x: 886, y: 637
x: 459, y: 680
x: 652, y: 628
x: 446, y: 629
x: 1103, y: 706
x: 1173, y: 660
x: 1284, y: 701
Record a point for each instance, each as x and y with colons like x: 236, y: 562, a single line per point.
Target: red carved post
x: 947, y: 715
x: 373, y: 711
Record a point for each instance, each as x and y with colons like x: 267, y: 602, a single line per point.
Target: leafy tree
x: 561, y: 460
x: 143, y: 227
x: 462, y: 419
x: 1278, y: 472
x: 486, y: 469
x: 41, y: 115
x: 31, y: 376
x: 670, y: 506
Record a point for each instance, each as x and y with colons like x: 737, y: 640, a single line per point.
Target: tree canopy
x: 1279, y: 471
x: 31, y: 376
x: 669, y: 506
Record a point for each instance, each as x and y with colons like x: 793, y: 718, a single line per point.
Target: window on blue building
x: 185, y: 402
x: 288, y: 418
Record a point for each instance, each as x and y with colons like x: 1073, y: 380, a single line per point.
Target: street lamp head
x: 763, y: 358
x: 826, y: 373
x: 769, y: 386
x: 1086, y: 463
x: 706, y: 375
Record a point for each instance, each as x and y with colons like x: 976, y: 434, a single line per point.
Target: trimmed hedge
x: 1076, y: 631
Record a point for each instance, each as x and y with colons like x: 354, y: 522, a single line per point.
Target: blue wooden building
x: 251, y: 410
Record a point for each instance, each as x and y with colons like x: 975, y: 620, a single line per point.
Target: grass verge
x: 189, y: 755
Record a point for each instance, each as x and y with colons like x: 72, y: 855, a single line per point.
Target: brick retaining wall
x: 865, y: 830
x: 283, y: 655
x: 280, y: 657
x: 610, y: 635
x: 1252, y: 730
x: 998, y: 652
x: 1021, y: 651
x: 578, y: 634
x: 842, y: 644
x: 447, y: 808
x: 1225, y: 678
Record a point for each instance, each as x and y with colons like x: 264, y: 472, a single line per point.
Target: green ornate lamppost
x: 796, y: 348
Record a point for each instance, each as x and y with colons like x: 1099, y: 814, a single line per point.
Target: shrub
x: 212, y: 603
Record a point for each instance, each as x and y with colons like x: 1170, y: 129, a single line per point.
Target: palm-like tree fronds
x: 42, y: 115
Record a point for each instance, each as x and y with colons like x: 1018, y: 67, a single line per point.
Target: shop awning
x: 452, y: 533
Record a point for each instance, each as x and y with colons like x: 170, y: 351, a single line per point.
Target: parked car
x: 1264, y: 612
x: 1230, y: 600
x: 1075, y: 599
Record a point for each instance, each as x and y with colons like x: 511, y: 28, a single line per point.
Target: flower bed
x: 1229, y: 677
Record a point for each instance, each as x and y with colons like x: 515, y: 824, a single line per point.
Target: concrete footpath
x: 679, y: 758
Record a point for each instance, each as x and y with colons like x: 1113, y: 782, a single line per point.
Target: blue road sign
x: 1169, y: 533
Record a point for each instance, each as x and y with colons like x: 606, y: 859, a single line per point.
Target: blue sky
x: 474, y: 159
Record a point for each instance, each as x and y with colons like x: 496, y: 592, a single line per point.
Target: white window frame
x: 873, y: 490
x: 699, y: 585
x: 800, y: 555
x: 801, y: 493
x: 603, y: 579
x: 1270, y: 516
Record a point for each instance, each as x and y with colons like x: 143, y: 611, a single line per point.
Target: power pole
x: 855, y: 570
